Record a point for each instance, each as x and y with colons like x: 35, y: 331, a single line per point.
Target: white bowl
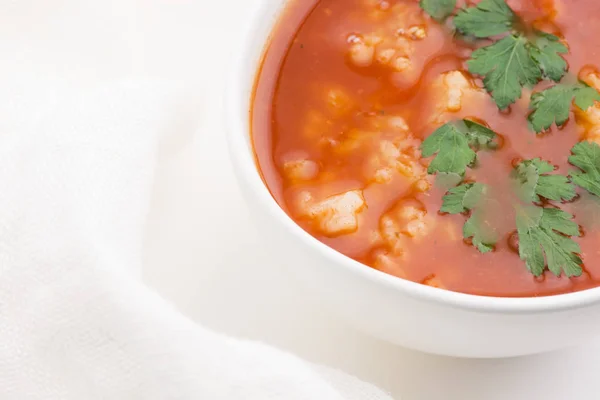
x: 403, y: 312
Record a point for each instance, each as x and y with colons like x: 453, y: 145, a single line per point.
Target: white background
x: 201, y: 251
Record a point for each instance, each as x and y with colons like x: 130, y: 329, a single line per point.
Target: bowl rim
x: 237, y: 111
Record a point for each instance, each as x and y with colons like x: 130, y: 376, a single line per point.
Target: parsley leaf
x: 464, y: 198
x: 546, y: 231
x: 546, y: 51
x: 549, y: 106
x: 514, y: 61
x: 453, y: 145
x: 586, y: 96
x: 506, y: 67
x: 446, y: 181
x: 452, y: 148
x: 588, y: 211
x: 554, y: 104
x: 488, y: 18
x: 534, y: 183
x: 481, y: 235
x: 586, y: 157
x: 479, y: 136
x: 438, y: 9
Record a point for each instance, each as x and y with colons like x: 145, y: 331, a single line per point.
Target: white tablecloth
x: 201, y: 251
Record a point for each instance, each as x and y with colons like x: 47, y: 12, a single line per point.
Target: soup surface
x: 348, y: 94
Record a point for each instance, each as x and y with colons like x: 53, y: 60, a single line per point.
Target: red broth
x: 349, y: 89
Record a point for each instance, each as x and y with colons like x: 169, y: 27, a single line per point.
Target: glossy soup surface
x: 348, y: 91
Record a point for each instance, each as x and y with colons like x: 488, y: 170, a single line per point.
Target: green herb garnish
x: 465, y: 198
x: 535, y: 182
x: 486, y: 19
x: 546, y: 51
x: 454, y: 144
x: 511, y: 62
x: 544, y: 230
x: 438, y: 9
x: 586, y: 157
x: 480, y: 137
x: 548, y: 231
x: 516, y: 58
x: 553, y: 105
x: 507, y: 67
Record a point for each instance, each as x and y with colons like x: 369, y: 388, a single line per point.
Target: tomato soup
x: 348, y: 94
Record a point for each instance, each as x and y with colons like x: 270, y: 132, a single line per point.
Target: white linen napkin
x: 76, y: 173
